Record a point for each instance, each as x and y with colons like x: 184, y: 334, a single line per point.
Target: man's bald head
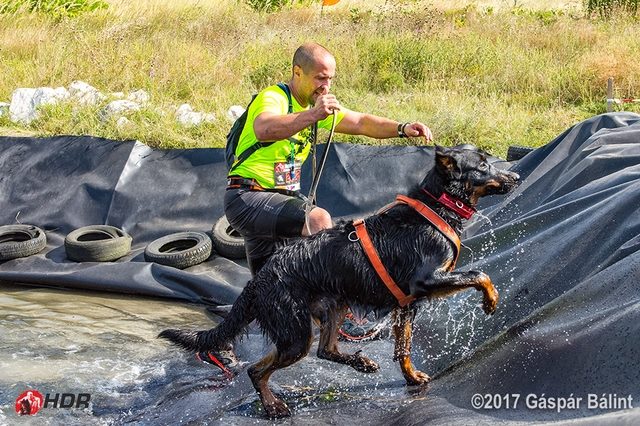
x: 313, y: 69
x: 307, y: 56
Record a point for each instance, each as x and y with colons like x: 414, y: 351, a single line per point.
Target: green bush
x: 273, y: 5
x: 266, y: 5
x: 54, y: 8
x: 393, y: 63
x: 606, y: 8
x: 267, y: 73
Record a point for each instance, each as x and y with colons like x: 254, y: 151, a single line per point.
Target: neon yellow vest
x: 261, y: 164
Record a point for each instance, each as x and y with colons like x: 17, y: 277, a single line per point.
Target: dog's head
x: 467, y: 173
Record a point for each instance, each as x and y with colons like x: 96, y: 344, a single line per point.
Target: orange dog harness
x: 374, y: 257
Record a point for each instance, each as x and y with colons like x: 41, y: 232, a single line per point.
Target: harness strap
x: 236, y: 182
x: 376, y: 262
x: 247, y: 153
x: 440, y: 224
x: 374, y: 258
x: 256, y: 146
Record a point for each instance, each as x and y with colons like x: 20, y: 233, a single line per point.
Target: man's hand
x: 325, y: 104
x: 416, y: 129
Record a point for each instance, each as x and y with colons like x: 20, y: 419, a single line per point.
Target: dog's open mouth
x: 503, y: 184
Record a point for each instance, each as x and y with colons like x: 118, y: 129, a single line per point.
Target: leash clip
x: 353, y: 237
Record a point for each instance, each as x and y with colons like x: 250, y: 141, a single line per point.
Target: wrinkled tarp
x: 562, y: 250
x: 63, y: 183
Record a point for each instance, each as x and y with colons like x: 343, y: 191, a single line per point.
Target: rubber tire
x: 515, y: 153
x: 179, y: 250
x: 97, y: 243
x: 226, y: 240
x: 21, y: 241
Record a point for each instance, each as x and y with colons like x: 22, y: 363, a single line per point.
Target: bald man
x: 261, y: 201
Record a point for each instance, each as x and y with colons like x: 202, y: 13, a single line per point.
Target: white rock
x: 78, y: 87
x: 62, y: 93
x: 139, y: 96
x: 49, y: 96
x: 186, y: 116
x: 117, y: 95
x: 183, y: 108
x: 85, y: 94
x: 234, y: 112
x: 25, y: 102
x: 123, y: 122
x: 190, y: 118
x: 119, y: 107
x: 22, y: 109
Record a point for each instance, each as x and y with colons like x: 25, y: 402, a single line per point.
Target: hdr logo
x: 31, y: 401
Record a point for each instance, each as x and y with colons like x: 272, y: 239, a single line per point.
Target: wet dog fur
x: 316, y: 279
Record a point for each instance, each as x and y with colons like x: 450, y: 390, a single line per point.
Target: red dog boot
x: 224, y: 359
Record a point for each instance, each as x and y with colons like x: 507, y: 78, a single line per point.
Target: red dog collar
x: 454, y: 204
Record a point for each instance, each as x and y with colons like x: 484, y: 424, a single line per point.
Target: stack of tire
x: 21, y: 241
x: 226, y: 240
x: 105, y: 243
x: 180, y: 250
x: 97, y: 243
x: 516, y: 152
x: 185, y: 249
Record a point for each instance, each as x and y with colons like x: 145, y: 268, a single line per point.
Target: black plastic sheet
x: 63, y: 183
x: 562, y: 249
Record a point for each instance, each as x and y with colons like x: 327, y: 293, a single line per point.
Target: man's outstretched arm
x: 357, y: 123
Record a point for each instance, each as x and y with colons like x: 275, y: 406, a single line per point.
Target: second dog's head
x: 466, y: 173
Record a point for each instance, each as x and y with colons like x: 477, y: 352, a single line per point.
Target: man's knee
x: 317, y: 220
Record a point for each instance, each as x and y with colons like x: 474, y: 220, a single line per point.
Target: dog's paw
x: 417, y: 378
x: 489, y: 292
x: 490, y: 301
x: 364, y: 364
x: 277, y: 410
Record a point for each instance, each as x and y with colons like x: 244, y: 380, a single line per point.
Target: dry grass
x: 488, y: 74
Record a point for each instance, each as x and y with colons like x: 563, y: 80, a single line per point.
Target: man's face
x: 317, y: 81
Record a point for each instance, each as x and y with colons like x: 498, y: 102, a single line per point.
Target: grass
x: 494, y: 73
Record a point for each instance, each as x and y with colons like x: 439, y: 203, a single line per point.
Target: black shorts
x: 264, y: 219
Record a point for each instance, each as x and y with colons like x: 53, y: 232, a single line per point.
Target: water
x: 102, y: 344
x: 105, y: 345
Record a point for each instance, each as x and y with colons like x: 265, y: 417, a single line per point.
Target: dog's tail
x: 217, y: 338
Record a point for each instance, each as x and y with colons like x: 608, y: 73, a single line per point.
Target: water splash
x: 482, y: 216
x: 455, y: 328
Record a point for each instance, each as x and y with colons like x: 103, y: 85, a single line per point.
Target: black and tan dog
x: 319, y: 277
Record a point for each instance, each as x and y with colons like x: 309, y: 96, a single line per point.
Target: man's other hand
x: 416, y: 129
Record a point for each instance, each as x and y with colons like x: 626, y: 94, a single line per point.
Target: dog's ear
x: 446, y: 163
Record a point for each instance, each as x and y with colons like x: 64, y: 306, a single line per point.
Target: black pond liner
x: 563, y: 251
